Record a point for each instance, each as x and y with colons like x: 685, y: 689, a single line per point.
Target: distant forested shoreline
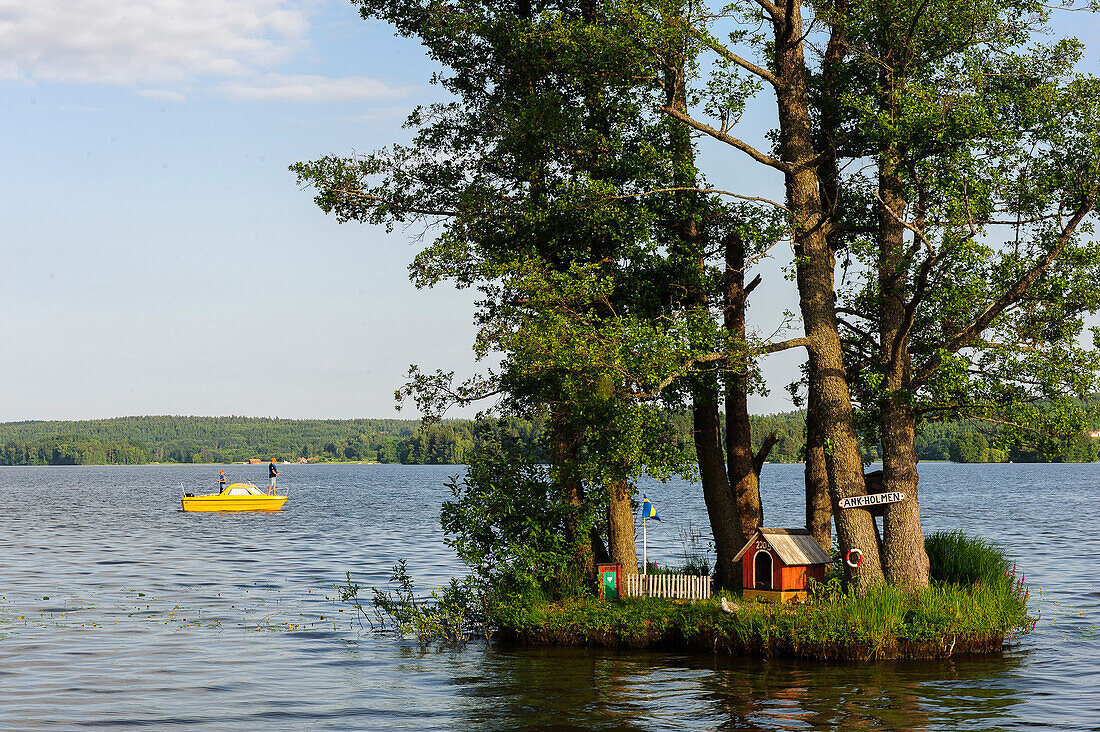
x: 177, y: 439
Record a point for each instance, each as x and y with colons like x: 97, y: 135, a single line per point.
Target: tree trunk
x: 707, y: 428
x: 744, y: 476
x: 844, y: 465
x: 905, y: 561
x: 620, y: 527
x: 588, y: 548
x: 904, y: 558
x: 814, y: 270
x: 819, y: 509
x: 716, y: 488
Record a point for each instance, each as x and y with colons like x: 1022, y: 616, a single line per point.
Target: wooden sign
x: 873, y: 499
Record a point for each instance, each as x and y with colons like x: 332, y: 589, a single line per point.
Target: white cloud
x: 302, y: 88
x: 144, y: 41
x: 162, y: 94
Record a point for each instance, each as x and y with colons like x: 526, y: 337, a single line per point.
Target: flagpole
x: 645, y: 560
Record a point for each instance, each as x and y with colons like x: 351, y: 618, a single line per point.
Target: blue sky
x: 156, y: 256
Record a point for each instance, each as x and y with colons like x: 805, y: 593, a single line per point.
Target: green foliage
x: 970, y: 447
x: 987, y: 143
x: 538, y: 183
x: 1079, y: 449
x: 73, y: 449
x: 135, y: 440
x: 449, y: 616
x: 507, y: 522
x: 834, y: 584
x: 138, y: 440
x: 958, y: 441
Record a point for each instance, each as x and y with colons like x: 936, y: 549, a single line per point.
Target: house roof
x: 794, y: 546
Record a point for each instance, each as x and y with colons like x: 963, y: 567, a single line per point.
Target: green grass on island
x: 976, y: 604
x: 882, y: 624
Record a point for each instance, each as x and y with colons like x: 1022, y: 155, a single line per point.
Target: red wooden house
x: 778, y: 564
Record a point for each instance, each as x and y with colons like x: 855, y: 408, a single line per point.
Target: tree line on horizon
x: 169, y: 439
x: 177, y: 439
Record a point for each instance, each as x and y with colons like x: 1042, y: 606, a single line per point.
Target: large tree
x: 781, y: 65
x: 972, y: 278
x: 530, y: 178
x: 952, y: 113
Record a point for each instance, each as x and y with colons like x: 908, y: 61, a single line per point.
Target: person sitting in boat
x: 272, y: 471
x: 221, y: 482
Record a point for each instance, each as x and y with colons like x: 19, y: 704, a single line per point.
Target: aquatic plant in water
x: 450, y: 615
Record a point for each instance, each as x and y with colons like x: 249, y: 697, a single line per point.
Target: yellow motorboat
x: 235, y: 497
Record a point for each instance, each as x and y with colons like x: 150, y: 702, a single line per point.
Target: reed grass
x: 956, y: 558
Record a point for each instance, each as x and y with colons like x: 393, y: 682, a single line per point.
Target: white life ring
x: 848, y: 558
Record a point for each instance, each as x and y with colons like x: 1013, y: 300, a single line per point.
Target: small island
x: 975, y: 605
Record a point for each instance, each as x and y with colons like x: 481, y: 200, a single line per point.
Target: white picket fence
x: 669, y: 586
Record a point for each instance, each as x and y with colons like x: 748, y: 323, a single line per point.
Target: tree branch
x: 762, y: 454
x: 719, y: 191
x: 802, y: 342
x: 732, y: 57
x: 688, y: 363
x: 355, y: 193
x: 770, y: 8
x: 751, y: 286
x: 998, y: 306
x: 741, y: 145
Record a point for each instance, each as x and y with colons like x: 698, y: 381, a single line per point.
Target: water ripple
x: 119, y: 610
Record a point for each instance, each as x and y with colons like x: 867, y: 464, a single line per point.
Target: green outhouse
x: 609, y: 580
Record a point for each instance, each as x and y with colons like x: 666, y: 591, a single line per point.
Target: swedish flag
x: 648, y: 511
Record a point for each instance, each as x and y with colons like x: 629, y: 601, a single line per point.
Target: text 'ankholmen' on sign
x: 873, y: 499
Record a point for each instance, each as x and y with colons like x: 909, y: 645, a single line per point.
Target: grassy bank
x: 974, y: 604
x: 883, y: 624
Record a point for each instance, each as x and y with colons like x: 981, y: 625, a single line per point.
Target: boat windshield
x: 243, y: 489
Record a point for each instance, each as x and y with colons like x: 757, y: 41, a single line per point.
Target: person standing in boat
x: 221, y: 482
x: 272, y: 471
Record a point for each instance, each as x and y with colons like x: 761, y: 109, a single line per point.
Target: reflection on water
x: 117, y: 608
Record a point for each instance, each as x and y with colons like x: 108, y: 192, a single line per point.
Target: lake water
x: 119, y: 610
